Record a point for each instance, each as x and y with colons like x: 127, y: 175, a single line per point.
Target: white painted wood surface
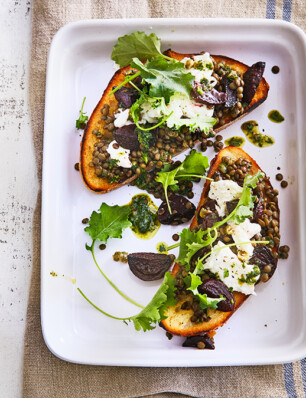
x: 18, y: 191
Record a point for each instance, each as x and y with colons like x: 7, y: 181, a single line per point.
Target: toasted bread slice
x: 102, y: 185
x: 178, y: 321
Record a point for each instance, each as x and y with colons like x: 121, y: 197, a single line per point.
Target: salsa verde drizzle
x: 253, y: 134
x: 235, y: 141
x: 275, y: 116
x: 143, y: 216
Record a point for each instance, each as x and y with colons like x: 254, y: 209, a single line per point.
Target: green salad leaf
x: 194, y: 166
x: 167, y: 179
x: 136, y: 45
x: 205, y: 301
x: 194, y: 247
x: 136, y: 107
x: 154, y: 312
x: 194, y: 163
x: 108, y: 222
x: 187, y: 237
x: 165, y: 77
x: 203, y: 123
x: 191, y: 242
x: 80, y: 123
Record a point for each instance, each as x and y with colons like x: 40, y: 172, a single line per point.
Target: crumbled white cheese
x: 121, y: 154
x: 243, y: 233
x: 183, y: 106
x: 121, y: 118
x: 204, y: 70
x: 230, y: 270
x: 224, y: 191
x: 179, y: 104
x: 152, y: 110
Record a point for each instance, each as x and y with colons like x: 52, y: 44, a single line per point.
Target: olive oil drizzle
x: 252, y: 133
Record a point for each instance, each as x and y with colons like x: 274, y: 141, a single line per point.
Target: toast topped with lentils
x: 232, y: 245
x: 158, y: 105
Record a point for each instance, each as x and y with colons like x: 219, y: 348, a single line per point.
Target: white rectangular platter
x: 268, y: 328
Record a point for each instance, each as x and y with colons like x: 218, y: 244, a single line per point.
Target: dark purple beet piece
x: 258, y: 210
x: 262, y: 256
x: 215, y: 288
x: 251, y: 80
x: 209, y: 221
x: 231, y: 95
x: 231, y: 206
x: 138, y: 82
x: 212, y: 97
x: 182, y: 210
x: 194, y: 340
x: 126, y: 96
x: 208, y: 216
x: 127, y: 137
x: 199, y: 254
x: 149, y: 266
x: 210, y: 204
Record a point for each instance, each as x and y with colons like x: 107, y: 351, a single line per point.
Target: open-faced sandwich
x: 158, y: 105
x: 231, y: 246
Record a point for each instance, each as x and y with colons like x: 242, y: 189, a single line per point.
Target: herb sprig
x: 154, y: 312
x: 80, y: 123
x: 194, y: 166
x: 166, y: 77
x: 108, y: 222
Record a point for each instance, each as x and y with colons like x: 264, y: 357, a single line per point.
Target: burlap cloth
x: 44, y: 374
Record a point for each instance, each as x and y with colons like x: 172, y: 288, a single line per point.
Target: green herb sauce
x: 253, y: 134
x: 235, y: 141
x: 251, y: 277
x: 275, y: 116
x: 162, y: 248
x: 143, y: 216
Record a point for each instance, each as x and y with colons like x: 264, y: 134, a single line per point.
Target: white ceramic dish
x: 269, y: 328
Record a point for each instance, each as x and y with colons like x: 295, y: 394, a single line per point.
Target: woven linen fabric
x: 44, y: 374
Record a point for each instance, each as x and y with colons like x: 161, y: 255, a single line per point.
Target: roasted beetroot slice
x: 258, y: 210
x: 251, y: 80
x: 212, y: 97
x: 215, y: 288
x: 231, y: 206
x: 126, y: 96
x: 149, y: 266
x: 207, y: 216
x: 182, y: 211
x: 194, y: 340
x: 262, y: 256
x: 127, y: 137
x: 231, y: 95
